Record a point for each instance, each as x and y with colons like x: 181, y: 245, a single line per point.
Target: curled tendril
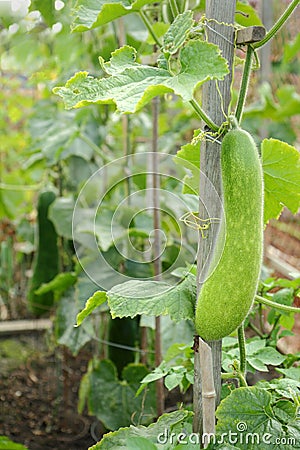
x: 212, y: 136
x: 192, y: 220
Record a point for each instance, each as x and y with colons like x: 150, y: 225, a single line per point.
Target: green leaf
x: 255, y: 345
x: 154, y: 298
x: 269, y: 355
x: 66, y: 334
x: 189, y: 157
x: 136, y: 443
x: 156, y: 374
x: 284, y: 296
x: 292, y: 372
x: 291, y: 49
x: 222, y: 446
x: 287, y: 321
x: 289, y: 102
x: 47, y: 9
x: 6, y: 443
x: 285, y: 410
x: 176, y: 422
x: 282, y: 387
x: 178, y: 32
x: 248, y: 17
x: 257, y: 364
x: 135, y: 86
x: 61, y: 213
x: 130, y: 90
x: 83, y: 392
x: 94, y: 13
x: 173, y: 380
x: 251, y: 409
x: 113, y: 401
x: 279, y: 107
x: 60, y: 283
x: 121, y: 59
x: 92, y: 303
x: 281, y: 166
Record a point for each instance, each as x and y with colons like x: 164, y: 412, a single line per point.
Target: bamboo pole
x: 160, y: 402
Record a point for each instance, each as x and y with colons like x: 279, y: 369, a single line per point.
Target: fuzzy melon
x: 46, y: 263
x: 226, y: 296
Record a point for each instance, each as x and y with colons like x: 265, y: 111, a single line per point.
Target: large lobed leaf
x: 134, y: 86
x: 113, y: 401
x: 125, y: 438
x: 178, y: 32
x: 154, y: 298
x: 281, y: 170
x: 252, y: 412
x: 94, y: 13
x: 281, y: 166
x: 151, y: 298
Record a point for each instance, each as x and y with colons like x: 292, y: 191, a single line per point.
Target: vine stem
x: 244, y: 83
x: 257, y: 331
x: 251, y: 49
x: 192, y: 102
x: 174, y: 8
x: 272, y: 304
x: 238, y: 375
x: 17, y: 187
x: 277, y: 25
x: 157, y: 263
x: 94, y: 147
x: 149, y: 27
x: 242, y: 347
x: 203, y: 115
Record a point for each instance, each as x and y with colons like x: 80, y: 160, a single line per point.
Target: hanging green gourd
x: 226, y: 296
x: 46, y: 263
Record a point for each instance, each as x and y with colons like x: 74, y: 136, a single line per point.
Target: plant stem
x: 257, y: 331
x: 17, y: 187
x: 174, y: 8
x: 238, y: 375
x: 261, y: 318
x: 242, y: 347
x: 203, y: 115
x: 244, y: 84
x: 94, y: 147
x: 276, y: 27
x: 160, y: 401
x: 192, y: 102
x: 228, y: 376
x: 149, y: 27
x: 242, y: 379
x: 275, y: 305
x: 274, y: 326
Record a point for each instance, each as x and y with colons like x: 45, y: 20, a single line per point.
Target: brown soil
x: 39, y: 403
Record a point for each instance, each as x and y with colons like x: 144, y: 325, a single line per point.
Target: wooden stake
x: 215, y: 102
x: 249, y: 35
x: 208, y: 391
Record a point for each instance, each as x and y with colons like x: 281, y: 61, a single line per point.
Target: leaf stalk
x: 277, y: 25
x: 275, y: 305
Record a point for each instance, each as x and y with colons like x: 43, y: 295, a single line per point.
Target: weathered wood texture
x: 250, y: 34
x: 24, y: 326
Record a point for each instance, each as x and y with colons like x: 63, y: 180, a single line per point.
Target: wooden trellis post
x: 215, y: 102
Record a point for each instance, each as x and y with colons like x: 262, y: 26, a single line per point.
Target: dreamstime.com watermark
x: 239, y: 436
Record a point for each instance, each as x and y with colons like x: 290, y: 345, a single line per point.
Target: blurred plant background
x: 47, y: 148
